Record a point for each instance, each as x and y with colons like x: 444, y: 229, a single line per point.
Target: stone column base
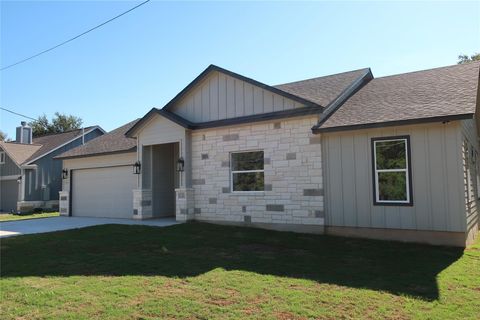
x: 185, y: 204
x: 64, y: 203
x: 142, y: 204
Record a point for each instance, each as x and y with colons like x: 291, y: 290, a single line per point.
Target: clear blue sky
x: 117, y: 73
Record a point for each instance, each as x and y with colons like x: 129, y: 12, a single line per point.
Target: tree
x: 463, y: 58
x: 60, y: 123
x: 3, y: 136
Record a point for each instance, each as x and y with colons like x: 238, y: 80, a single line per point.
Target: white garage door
x: 103, y: 192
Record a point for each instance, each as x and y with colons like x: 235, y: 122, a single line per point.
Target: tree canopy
x: 59, y: 123
x: 463, y: 58
x: 3, y: 136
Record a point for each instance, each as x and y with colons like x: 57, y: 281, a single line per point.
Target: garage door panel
x: 103, y: 192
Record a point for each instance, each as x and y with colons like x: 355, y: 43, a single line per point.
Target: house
x: 29, y: 176
x: 347, y: 154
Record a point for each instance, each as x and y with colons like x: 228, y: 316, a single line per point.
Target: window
x: 391, y: 171
x: 2, y: 157
x: 247, y: 171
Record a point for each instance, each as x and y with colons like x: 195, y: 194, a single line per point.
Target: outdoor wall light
x: 180, y: 165
x: 136, y: 167
x: 19, y: 179
x: 65, y: 174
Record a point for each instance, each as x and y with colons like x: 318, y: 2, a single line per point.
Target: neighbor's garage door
x: 103, y: 192
x: 8, y: 195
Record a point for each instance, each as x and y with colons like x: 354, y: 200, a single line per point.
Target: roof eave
x: 374, y: 125
x: 133, y: 149
x: 259, y: 117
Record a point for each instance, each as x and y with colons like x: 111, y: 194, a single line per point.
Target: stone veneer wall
x: 293, y: 174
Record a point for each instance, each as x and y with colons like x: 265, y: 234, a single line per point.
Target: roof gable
x: 218, y: 94
x: 141, y: 123
x: 19, y: 152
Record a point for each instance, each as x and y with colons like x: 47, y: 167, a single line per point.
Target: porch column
x: 185, y: 203
x: 64, y: 203
x: 142, y: 204
x: 142, y: 196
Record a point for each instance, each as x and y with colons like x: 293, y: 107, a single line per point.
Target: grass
x: 202, y: 271
x: 12, y: 217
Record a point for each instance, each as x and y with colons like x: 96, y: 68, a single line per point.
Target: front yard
x: 202, y: 271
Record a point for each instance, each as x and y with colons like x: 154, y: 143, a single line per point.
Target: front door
x: 163, y: 180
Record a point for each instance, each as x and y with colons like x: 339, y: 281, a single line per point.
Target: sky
x: 117, y: 73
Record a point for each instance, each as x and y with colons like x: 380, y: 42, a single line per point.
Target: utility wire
x: 76, y: 37
x: 18, y: 114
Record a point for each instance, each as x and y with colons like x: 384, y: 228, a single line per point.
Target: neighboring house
x: 29, y: 176
x: 349, y: 154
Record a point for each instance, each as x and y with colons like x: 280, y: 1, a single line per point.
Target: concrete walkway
x: 41, y: 225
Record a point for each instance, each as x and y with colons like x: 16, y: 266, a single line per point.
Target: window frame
x: 407, y: 170
x: 2, y: 157
x: 246, y: 171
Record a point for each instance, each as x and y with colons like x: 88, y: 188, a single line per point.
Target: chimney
x: 24, y: 133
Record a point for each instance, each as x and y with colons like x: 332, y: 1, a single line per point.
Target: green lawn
x: 202, y: 271
x: 13, y: 217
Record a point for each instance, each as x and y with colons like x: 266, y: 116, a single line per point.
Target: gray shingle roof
x: 114, y: 141
x: 446, y: 91
x: 52, y: 141
x: 322, y: 90
x: 19, y: 152
x: 42, y: 145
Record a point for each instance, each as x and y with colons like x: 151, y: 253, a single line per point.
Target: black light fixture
x: 19, y: 179
x: 136, y: 167
x: 180, y: 164
x: 65, y: 174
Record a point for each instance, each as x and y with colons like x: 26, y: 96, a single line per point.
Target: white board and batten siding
x: 220, y: 96
x: 437, y: 179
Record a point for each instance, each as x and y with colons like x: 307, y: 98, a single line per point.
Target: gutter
x: 444, y: 119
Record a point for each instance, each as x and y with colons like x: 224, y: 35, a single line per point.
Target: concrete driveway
x: 41, y: 225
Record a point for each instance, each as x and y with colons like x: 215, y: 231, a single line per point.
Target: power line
x: 18, y: 114
x: 76, y: 37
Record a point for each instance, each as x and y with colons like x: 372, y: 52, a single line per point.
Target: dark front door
x: 163, y: 180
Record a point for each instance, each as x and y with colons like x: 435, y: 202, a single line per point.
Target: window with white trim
x: 392, y: 171
x: 247, y: 172
x: 2, y: 157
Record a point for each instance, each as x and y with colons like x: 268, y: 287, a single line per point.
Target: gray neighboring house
x: 29, y: 176
x: 347, y: 154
